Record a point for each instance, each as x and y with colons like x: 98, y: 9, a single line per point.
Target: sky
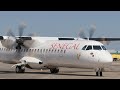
x: 63, y: 23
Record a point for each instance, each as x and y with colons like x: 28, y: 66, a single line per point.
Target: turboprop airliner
x: 52, y: 53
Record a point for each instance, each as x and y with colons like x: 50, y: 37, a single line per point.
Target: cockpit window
x: 96, y: 47
x: 103, y: 47
x: 84, y: 47
x: 89, y: 47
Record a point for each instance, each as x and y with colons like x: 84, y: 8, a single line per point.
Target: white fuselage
x: 56, y: 53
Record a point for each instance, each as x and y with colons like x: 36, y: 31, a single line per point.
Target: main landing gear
x: 20, y: 69
x: 99, y: 71
x: 54, y: 70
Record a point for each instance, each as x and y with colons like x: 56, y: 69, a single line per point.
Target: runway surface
x: 6, y: 72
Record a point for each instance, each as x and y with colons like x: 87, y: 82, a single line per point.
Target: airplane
x: 53, y: 52
x: 36, y: 52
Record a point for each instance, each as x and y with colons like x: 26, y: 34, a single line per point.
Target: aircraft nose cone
x: 106, y: 58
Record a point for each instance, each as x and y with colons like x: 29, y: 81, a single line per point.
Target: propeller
x: 91, y: 32
x: 16, y: 41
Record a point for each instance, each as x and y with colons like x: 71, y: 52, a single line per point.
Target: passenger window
x: 61, y: 51
x: 52, y: 50
x: 32, y: 50
x: 26, y: 50
x: 38, y: 50
x: 55, y: 51
x: 29, y: 50
x: 84, y: 47
x: 89, y: 47
x: 97, y: 48
x: 58, y: 50
x: 41, y: 50
x: 46, y: 50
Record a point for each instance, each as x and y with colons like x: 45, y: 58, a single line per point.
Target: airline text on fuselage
x: 65, y: 45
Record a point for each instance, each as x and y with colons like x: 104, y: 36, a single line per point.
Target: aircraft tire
x: 54, y: 70
x: 97, y: 74
x: 100, y: 73
x: 19, y: 69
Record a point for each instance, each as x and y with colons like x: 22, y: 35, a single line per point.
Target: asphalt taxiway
x: 6, y: 72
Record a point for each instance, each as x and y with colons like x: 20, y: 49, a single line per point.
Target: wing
x: 105, y: 39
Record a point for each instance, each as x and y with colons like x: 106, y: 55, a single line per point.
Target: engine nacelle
x: 8, y: 42
x: 31, y: 60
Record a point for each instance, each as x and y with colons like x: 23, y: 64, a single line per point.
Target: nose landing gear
x: 99, y: 71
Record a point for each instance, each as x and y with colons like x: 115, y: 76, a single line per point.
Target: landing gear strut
x: 54, y: 70
x: 99, y: 72
x: 20, y: 69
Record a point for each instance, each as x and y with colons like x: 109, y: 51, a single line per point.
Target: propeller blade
x: 12, y: 41
x: 104, y: 41
x: 20, y: 39
x: 21, y: 28
x: 10, y: 33
x: 32, y: 34
x: 82, y: 33
x: 92, y: 30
